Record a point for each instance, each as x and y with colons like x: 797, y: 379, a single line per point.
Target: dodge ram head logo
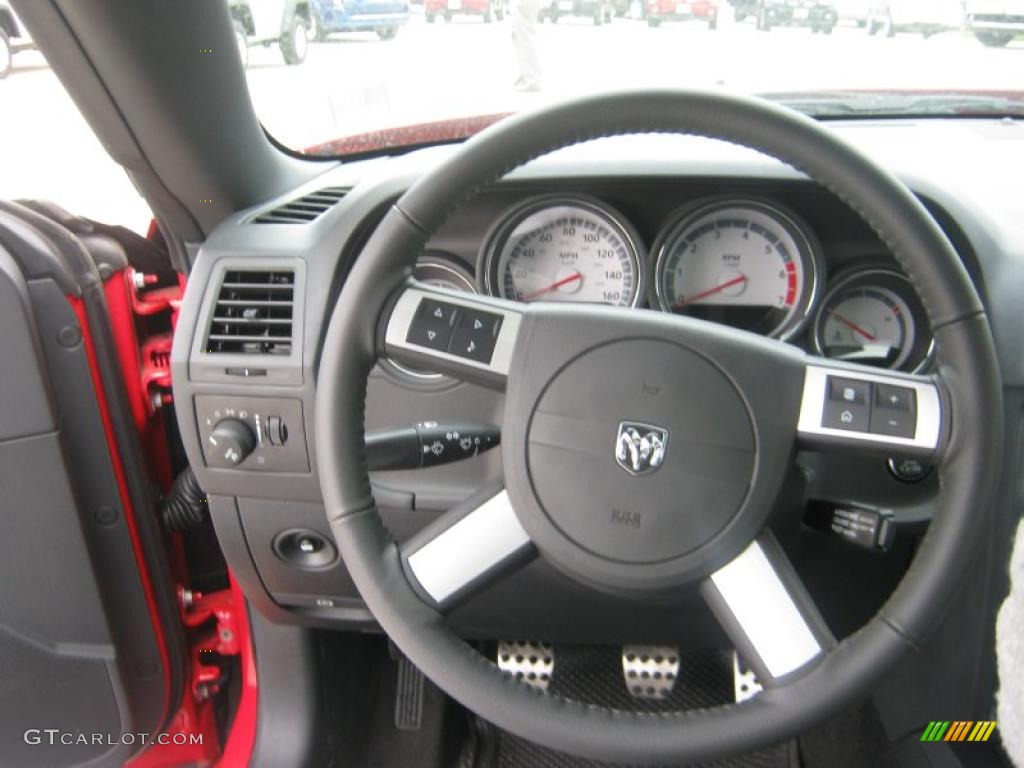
x: 640, y: 448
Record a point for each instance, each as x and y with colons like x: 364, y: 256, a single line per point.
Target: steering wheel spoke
x: 863, y: 409
x: 766, y: 611
x: 468, y: 337
x: 466, y: 550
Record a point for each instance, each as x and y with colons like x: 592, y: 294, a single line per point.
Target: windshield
x: 343, y: 76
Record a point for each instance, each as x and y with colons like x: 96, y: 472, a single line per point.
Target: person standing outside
x: 524, y: 38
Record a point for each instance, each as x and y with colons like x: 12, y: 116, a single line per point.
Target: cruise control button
x: 432, y: 325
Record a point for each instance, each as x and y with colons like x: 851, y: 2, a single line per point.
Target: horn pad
x: 640, y: 451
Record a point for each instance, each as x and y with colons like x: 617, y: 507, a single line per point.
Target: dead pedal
x: 533, y: 663
x: 650, y: 671
x: 744, y: 681
x: 408, y: 695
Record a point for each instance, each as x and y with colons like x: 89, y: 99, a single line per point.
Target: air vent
x: 253, y: 313
x: 304, y: 209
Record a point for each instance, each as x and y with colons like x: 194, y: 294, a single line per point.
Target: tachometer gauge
x: 740, y: 263
x: 874, y: 317
x: 440, y: 271
x: 564, y: 249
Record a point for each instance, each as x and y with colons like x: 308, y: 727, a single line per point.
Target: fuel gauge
x: 874, y: 317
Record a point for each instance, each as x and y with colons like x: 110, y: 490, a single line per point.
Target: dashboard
x: 751, y: 259
x: 648, y: 224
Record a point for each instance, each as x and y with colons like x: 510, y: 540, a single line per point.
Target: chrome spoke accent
x: 464, y: 336
x: 863, y: 408
x: 763, y: 607
x: 467, y: 549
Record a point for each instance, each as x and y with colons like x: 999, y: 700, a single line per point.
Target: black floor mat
x: 593, y: 675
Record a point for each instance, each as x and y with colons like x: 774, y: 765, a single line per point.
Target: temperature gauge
x: 874, y: 317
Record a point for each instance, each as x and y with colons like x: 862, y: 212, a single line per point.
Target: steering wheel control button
x: 432, y: 326
x: 460, y: 331
x: 304, y: 548
x: 908, y: 470
x: 475, y: 335
x: 894, y: 411
x: 862, y: 526
x: 650, y: 671
x: 848, y: 404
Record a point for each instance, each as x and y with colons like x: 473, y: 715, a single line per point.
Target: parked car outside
x: 995, y: 22
x: 855, y: 12
x: 600, y: 11
x: 271, y: 22
x: 488, y: 10
x: 658, y: 11
x: 925, y: 17
x: 818, y: 15
x: 384, y: 17
x: 14, y: 38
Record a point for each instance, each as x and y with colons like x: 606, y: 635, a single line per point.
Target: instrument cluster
x: 744, y: 262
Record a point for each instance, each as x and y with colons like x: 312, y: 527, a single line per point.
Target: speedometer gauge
x: 740, y: 263
x: 564, y: 249
x: 874, y: 316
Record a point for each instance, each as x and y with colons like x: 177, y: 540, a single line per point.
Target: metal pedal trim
x: 650, y: 671
x: 744, y: 681
x: 532, y: 663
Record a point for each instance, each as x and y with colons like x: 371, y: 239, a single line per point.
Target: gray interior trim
x: 478, y: 543
x: 766, y: 612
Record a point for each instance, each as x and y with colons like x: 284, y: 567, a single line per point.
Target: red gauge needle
x: 711, y: 291
x: 854, y: 327
x: 554, y: 286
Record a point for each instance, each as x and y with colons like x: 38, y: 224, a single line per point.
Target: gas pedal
x: 650, y: 671
x: 533, y: 663
x: 744, y: 681
x: 408, y: 695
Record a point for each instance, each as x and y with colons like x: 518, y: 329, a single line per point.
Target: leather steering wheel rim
x: 967, y: 374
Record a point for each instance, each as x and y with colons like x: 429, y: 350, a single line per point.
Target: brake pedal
x: 650, y: 671
x: 533, y: 663
x: 744, y: 681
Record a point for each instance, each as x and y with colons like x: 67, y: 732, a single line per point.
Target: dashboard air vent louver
x: 304, y: 209
x: 253, y: 313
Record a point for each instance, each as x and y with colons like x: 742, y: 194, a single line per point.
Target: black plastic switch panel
x: 475, y: 335
x: 432, y: 325
x: 847, y: 404
x: 862, y: 526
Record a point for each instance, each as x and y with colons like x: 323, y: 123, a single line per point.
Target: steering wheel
x: 686, y: 497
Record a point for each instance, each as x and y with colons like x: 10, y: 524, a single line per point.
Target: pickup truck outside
x: 995, y: 22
